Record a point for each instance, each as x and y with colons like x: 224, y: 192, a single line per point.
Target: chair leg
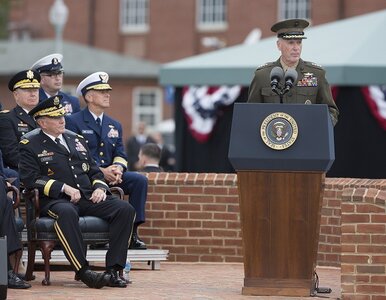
x: 46, y: 248
x: 31, y: 260
x: 18, y: 255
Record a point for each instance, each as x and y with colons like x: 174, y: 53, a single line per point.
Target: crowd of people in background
x: 73, y: 155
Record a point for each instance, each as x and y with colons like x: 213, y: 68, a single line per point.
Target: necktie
x: 57, y: 140
x: 98, y: 121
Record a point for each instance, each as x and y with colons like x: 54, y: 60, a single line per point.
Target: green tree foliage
x: 4, y: 13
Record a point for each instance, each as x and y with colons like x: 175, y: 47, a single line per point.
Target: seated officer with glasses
x: 51, y: 72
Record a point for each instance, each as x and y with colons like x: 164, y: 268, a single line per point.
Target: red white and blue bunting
x: 202, y: 105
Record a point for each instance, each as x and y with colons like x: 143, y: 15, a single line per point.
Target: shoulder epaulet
x: 266, y: 65
x: 24, y: 141
x: 312, y: 64
x: 32, y: 133
x: 4, y: 111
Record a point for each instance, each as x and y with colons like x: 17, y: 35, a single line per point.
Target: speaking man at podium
x: 291, y: 79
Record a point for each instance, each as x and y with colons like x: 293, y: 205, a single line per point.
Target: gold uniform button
x: 102, y: 144
x: 86, y: 141
x: 72, y: 167
x: 102, y: 161
x: 100, y: 153
x: 76, y: 176
x: 77, y: 185
x: 69, y: 159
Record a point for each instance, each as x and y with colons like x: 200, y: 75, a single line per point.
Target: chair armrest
x: 31, y: 198
x: 15, y: 196
x: 115, y: 190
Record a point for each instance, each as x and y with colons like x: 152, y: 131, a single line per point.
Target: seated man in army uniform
x: 59, y: 164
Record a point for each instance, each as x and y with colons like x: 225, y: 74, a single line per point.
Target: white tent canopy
x: 352, y: 51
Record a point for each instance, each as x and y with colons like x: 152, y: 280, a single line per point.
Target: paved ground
x: 172, y: 281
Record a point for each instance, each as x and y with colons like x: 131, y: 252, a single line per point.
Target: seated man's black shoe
x: 115, y: 280
x: 93, y: 279
x: 136, y: 243
x: 15, y: 282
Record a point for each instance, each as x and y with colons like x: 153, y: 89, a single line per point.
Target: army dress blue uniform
x: 105, y: 144
x: 13, y: 125
x: 47, y: 166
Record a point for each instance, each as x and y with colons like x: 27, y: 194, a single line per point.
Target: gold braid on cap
x: 101, y: 86
x: 51, y: 112
x: 27, y: 83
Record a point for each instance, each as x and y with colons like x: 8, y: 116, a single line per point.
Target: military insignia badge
x: 85, y: 167
x: 104, y: 77
x: 279, y: 131
x: 22, y: 127
x: 24, y: 141
x: 30, y: 74
x: 55, y: 61
x: 50, y: 172
x: 79, y: 147
x: 309, y: 79
x: 56, y: 101
x: 113, y: 133
x: 45, y: 153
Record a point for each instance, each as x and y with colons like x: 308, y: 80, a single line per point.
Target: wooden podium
x: 280, y: 193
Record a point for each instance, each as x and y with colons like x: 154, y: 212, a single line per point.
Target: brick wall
x: 196, y: 217
x: 363, y: 255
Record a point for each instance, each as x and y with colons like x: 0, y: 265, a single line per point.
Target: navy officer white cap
x: 49, y: 63
x: 95, y: 81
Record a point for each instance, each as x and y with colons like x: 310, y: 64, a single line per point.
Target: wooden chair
x: 41, y: 233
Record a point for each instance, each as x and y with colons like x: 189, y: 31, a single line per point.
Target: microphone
x: 276, y: 75
x: 290, y: 77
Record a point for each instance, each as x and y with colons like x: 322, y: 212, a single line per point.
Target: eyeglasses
x: 58, y: 74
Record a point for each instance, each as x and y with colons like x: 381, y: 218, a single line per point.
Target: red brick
x: 214, y: 224
x: 216, y: 191
x: 226, y: 199
x: 200, y: 233
x: 202, y: 199
x: 186, y: 241
x: 211, y: 242
x: 225, y: 233
x: 380, y: 279
x: 379, y: 259
x: 176, y: 214
x: 368, y: 208
x: 355, y: 259
x: 371, y: 269
x: 200, y: 215
x: 355, y: 218
x: 163, y: 206
x: 175, y: 232
x: 226, y: 216
x: 197, y: 250
x: 189, y: 224
x: 166, y: 189
x: 191, y: 190
x: 370, y: 289
x: 371, y: 249
x: 188, y: 207
x: 371, y: 228
x: 176, y: 198
x: 378, y: 218
x: 164, y: 223
x: 355, y: 239
x: 378, y: 239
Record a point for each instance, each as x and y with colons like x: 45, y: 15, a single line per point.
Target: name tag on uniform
x: 87, y: 131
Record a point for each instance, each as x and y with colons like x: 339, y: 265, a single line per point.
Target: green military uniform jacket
x: 311, y: 87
